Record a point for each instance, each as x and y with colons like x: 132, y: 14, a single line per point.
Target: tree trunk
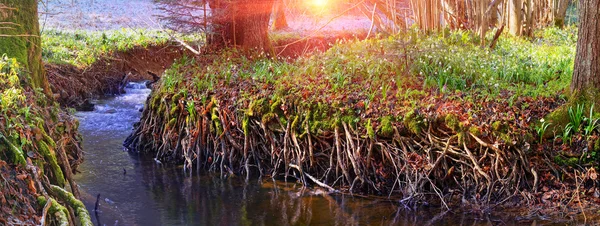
x: 515, y: 17
x: 242, y: 24
x: 529, y: 18
x: 280, y: 21
x: 586, y: 73
x: 20, y: 39
x: 560, y: 12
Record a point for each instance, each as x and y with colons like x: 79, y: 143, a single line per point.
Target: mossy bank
x: 421, y: 117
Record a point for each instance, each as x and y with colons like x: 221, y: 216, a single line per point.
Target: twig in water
x: 97, y: 203
x: 315, y: 179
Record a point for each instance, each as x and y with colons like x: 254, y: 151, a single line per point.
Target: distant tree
x: 280, y: 21
x: 560, y: 12
x: 586, y: 73
x: 241, y: 23
x: 20, y: 39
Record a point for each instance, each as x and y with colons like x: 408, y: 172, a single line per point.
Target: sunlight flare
x: 319, y: 3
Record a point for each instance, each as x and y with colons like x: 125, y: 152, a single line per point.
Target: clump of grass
x: 576, y: 117
x: 592, y: 123
x: 541, y: 130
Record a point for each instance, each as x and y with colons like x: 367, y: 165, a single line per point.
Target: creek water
x: 140, y: 191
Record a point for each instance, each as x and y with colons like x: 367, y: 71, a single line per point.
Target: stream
x: 140, y: 191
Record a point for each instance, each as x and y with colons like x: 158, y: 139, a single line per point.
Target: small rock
x: 109, y: 201
x: 85, y: 106
x: 111, y: 111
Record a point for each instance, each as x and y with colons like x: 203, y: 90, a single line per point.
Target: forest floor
x: 423, y: 118
x: 466, y: 125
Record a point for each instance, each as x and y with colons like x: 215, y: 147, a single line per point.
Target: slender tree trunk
x: 515, y: 17
x: 529, y: 17
x: 20, y: 39
x: 586, y: 73
x: 560, y: 12
x: 280, y: 21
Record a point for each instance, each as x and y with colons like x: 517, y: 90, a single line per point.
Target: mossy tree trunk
x: 586, y: 74
x: 20, y: 39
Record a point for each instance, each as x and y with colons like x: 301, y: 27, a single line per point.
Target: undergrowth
x: 37, y: 139
x: 393, y: 115
x: 82, y: 48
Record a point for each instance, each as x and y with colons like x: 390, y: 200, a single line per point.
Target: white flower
x: 542, y: 120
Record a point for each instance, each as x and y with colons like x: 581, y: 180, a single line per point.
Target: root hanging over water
x: 434, y: 164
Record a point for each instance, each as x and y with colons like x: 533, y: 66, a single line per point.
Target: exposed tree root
x: 81, y: 213
x: 417, y: 167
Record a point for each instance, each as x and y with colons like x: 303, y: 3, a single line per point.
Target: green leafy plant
x: 191, y: 108
x: 576, y: 117
x: 592, y: 123
x: 567, y: 133
x: 541, y: 130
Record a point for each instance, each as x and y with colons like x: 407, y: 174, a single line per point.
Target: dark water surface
x: 138, y: 191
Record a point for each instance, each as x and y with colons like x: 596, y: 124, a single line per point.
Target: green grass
x: 404, y: 79
x: 531, y: 68
x: 83, y: 48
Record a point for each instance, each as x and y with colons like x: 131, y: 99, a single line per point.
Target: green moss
x: 174, y: 110
x: 276, y: 105
x: 370, y: 131
x: 48, y: 153
x: 80, y: 211
x: 268, y: 118
x: 217, y: 121
x: 386, y: 129
x: 414, y: 122
x: 25, y: 45
x: 257, y: 107
x: 214, y: 114
x: 315, y: 126
x: 351, y: 120
x: 176, y: 97
x: 452, y: 122
x: 295, y: 122
x: 559, y: 160
x: 57, y: 210
x: 172, y: 123
x: 16, y: 153
x: 558, y: 119
x: 498, y: 126
x: 246, y: 124
x: 572, y: 162
x: 475, y: 130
